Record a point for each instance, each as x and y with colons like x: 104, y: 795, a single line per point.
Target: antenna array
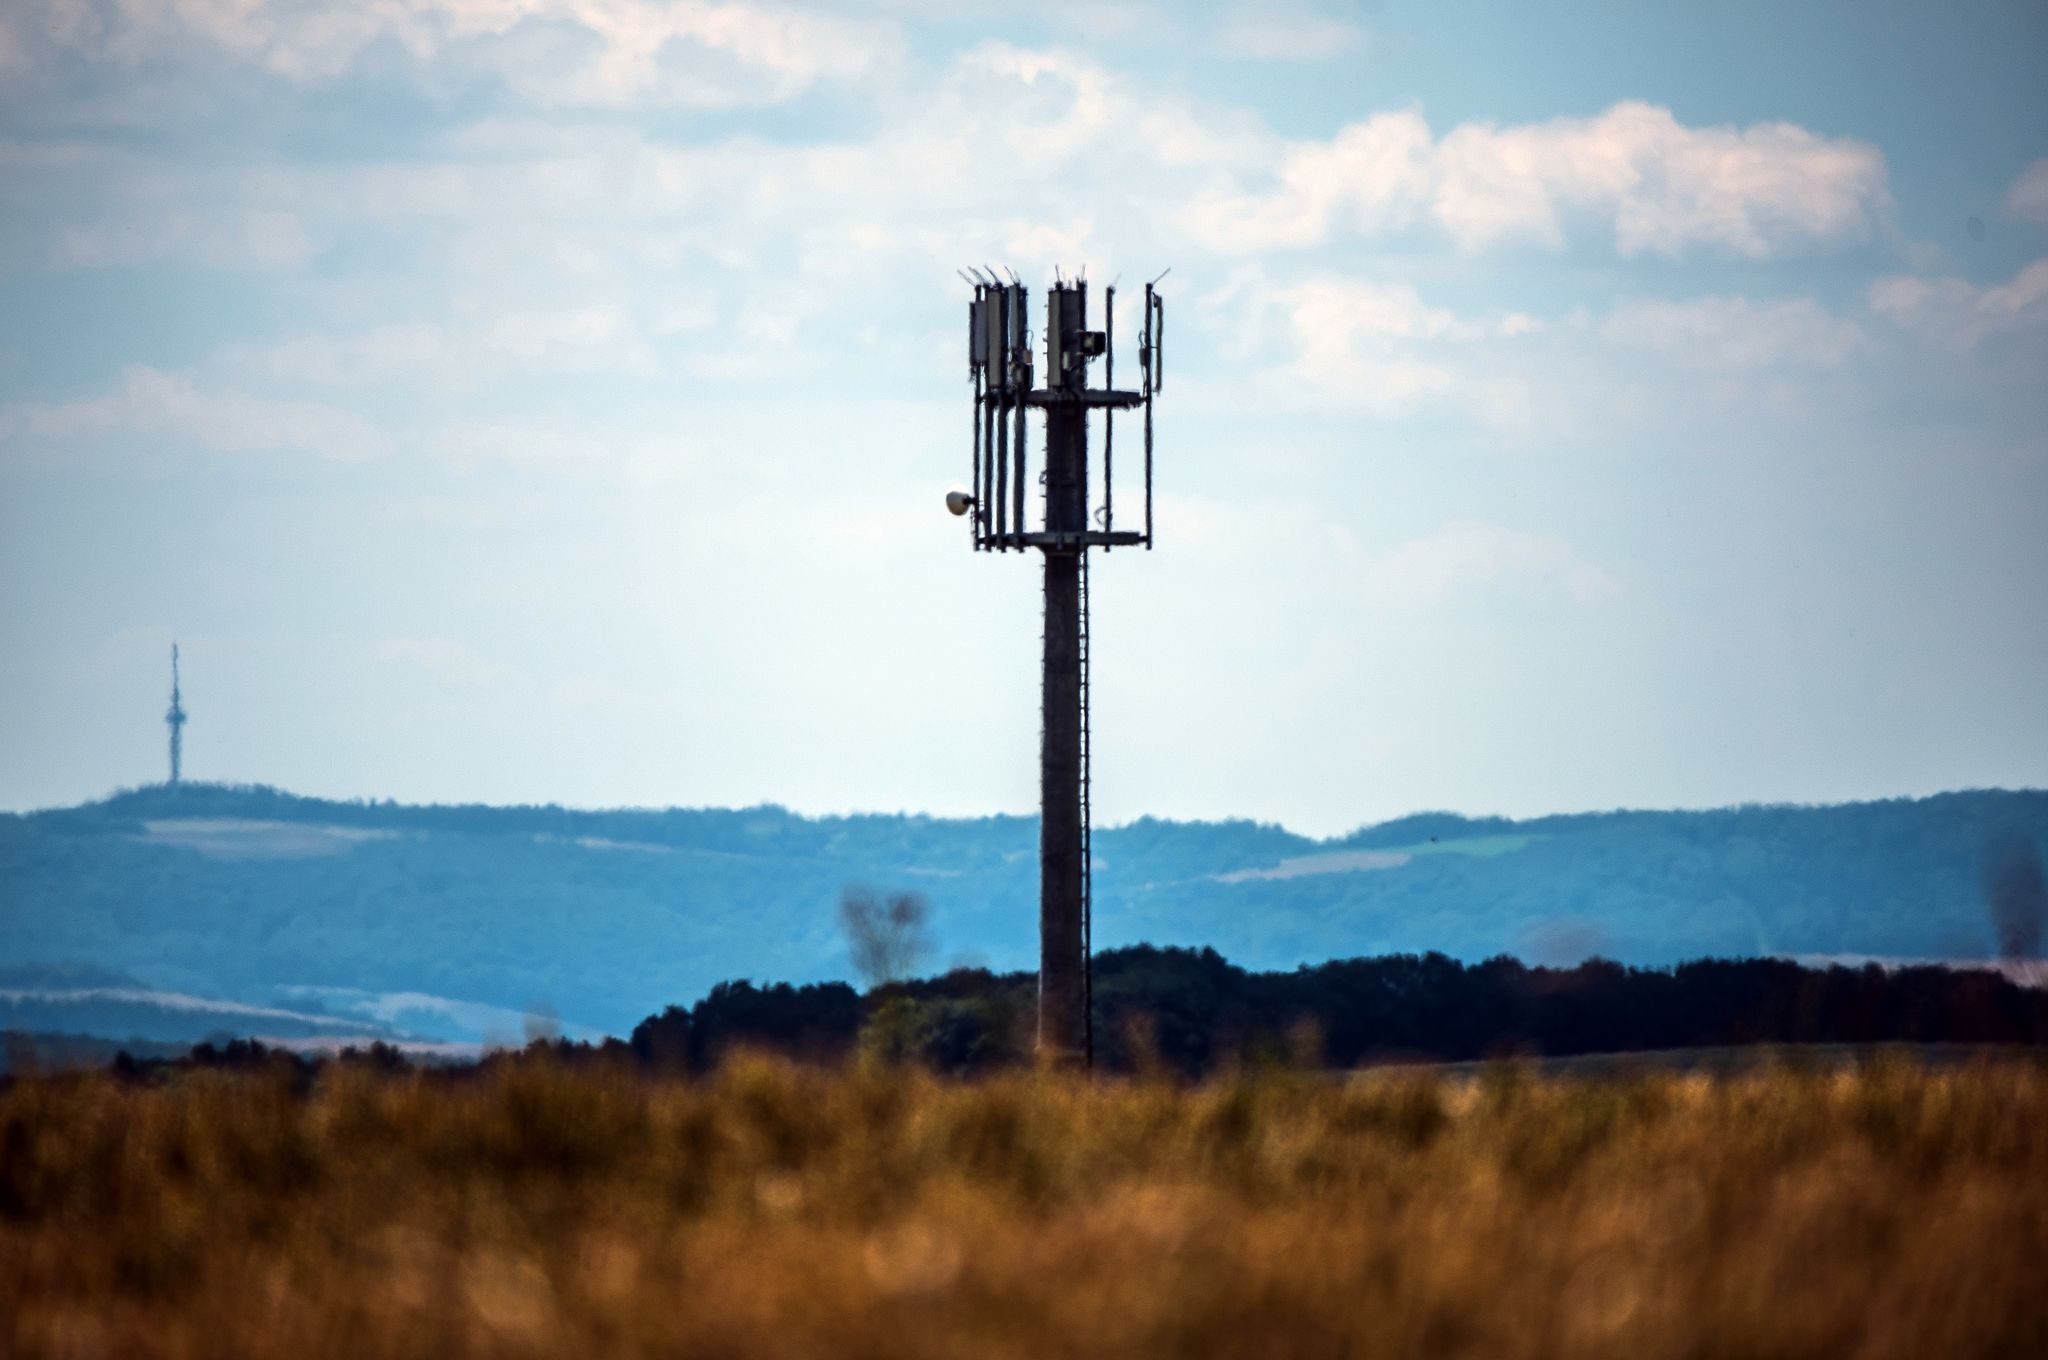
x: 1012, y: 511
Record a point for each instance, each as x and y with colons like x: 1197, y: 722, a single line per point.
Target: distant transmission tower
x: 175, y: 720
x: 1063, y: 521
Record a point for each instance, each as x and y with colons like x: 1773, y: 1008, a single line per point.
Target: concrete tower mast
x: 1063, y: 512
x: 175, y: 720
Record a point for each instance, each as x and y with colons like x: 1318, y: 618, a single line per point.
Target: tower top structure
x: 1010, y: 510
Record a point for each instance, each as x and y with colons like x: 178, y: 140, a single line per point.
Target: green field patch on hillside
x: 247, y: 838
x: 1376, y: 860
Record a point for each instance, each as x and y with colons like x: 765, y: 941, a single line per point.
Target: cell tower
x: 1058, y: 513
x: 175, y: 720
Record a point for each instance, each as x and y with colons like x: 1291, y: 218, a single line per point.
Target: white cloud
x: 1472, y: 556
x: 553, y: 52
x: 609, y: 451
x: 1376, y: 384
x: 1960, y: 312
x: 519, y: 198
x: 601, y: 337
x: 1272, y: 32
x: 555, y: 335
x: 1659, y: 187
x: 2028, y: 197
x: 769, y: 237
x: 13, y: 51
x: 1373, y: 177
x: 1341, y: 342
x: 1736, y: 333
x: 151, y: 402
x: 783, y: 242
x: 1346, y: 334
x: 536, y: 244
x: 252, y: 238
x: 918, y: 188
x: 1341, y: 311
x: 380, y: 354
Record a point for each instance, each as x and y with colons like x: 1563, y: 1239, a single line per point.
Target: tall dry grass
x: 540, y: 1210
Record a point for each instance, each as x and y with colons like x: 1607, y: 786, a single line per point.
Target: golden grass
x: 540, y: 1210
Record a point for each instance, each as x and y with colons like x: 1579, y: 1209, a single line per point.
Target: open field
x: 536, y: 1209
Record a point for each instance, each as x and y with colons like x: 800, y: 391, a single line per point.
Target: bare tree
x: 2016, y: 894
x: 886, y: 936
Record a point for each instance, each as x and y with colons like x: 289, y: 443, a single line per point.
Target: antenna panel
x: 1001, y: 322
x: 1055, y: 334
x: 995, y: 353
x: 1020, y: 335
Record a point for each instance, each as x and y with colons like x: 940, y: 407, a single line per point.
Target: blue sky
x: 550, y: 400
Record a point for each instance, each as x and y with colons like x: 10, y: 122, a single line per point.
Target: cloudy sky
x: 552, y: 400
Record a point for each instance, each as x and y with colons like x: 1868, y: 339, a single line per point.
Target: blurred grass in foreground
x: 538, y: 1209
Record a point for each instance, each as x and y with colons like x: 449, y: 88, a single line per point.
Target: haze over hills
x: 452, y: 922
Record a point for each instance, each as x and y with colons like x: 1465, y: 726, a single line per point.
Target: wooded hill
x: 605, y: 917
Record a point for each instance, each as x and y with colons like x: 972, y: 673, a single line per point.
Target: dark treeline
x: 1190, y: 1011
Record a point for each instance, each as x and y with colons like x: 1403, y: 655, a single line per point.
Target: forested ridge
x: 604, y: 917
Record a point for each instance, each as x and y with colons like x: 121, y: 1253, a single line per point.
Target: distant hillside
x: 448, y: 921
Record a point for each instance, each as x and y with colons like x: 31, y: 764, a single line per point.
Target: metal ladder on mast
x: 1087, y: 843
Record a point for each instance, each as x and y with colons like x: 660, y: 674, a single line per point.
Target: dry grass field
x: 533, y: 1209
